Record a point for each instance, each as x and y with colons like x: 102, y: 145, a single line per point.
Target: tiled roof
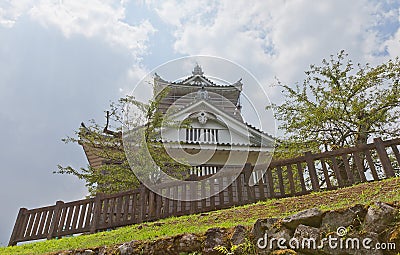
x: 209, y: 143
x: 203, y: 77
x: 258, y: 130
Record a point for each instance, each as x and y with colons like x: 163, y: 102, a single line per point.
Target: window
x: 202, y: 135
x: 204, y: 170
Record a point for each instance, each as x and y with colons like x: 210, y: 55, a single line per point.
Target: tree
x: 115, y: 173
x: 339, y: 104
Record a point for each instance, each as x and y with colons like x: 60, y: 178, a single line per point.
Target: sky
x: 62, y: 62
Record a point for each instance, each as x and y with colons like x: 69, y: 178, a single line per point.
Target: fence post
x: 96, y: 213
x: 386, y: 164
x: 247, y: 175
x: 143, y: 203
x: 312, y: 171
x: 55, y: 220
x: 152, y: 204
x: 193, y: 197
x: 17, y: 227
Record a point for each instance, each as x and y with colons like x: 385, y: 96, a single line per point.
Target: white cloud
x: 393, y: 44
x: 102, y: 19
x: 179, y: 12
x: 11, y: 10
x: 280, y: 38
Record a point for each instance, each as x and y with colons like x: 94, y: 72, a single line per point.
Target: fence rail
x: 283, y: 178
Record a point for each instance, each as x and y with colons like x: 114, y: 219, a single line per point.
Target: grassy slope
x: 386, y: 191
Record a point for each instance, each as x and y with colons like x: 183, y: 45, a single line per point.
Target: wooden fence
x: 291, y: 177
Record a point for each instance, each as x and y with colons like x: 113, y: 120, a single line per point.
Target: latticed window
x: 204, y: 170
x: 202, y: 135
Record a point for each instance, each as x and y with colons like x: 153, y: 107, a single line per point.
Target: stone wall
x: 356, y: 230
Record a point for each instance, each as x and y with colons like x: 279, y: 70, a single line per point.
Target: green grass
x: 366, y: 193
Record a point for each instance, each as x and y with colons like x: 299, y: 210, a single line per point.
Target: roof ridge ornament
x: 197, y: 70
x: 202, y: 94
x: 238, y: 84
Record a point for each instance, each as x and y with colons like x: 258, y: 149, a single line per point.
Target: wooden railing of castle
x: 291, y: 177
